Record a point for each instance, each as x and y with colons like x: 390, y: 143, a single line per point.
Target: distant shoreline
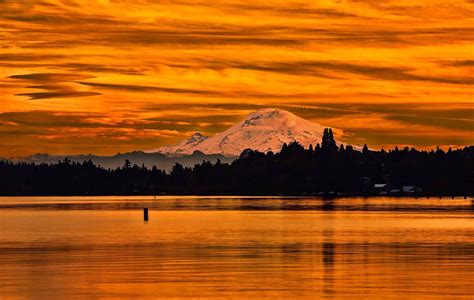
x: 326, y: 170
x: 323, y: 196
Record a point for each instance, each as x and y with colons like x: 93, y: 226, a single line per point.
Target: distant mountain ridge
x: 139, y: 158
x: 263, y: 130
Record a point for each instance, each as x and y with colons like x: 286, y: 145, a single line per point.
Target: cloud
x: 214, y: 36
x: 57, y: 85
x: 97, y: 68
x: 55, y: 61
x: 51, y: 77
x: 293, y: 11
x: 379, y: 130
x: 101, y: 132
x: 460, y: 63
x: 50, y: 95
x: 457, y: 116
x: 29, y: 132
x: 53, y: 119
x: 185, y: 65
x: 320, y: 69
x: 28, y: 56
x: 408, y: 117
x: 141, y: 88
x: 203, y: 92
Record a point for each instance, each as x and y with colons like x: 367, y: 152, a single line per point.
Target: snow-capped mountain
x: 264, y: 130
x: 185, y: 147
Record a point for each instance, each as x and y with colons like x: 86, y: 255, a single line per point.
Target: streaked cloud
x: 111, y: 76
x: 57, y: 85
x: 141, y: 88
x: 318, y: 68
x: 51, y: 77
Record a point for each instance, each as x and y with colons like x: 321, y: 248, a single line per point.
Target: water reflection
x: 238, y: 203
x: 328, y: 204
x: 50, y: 249
x: 328, y: 251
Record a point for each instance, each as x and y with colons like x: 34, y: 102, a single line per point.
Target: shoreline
x: 316, y: 196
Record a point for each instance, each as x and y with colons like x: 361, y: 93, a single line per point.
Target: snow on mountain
x: 264, y: 130
x: 185, y: 147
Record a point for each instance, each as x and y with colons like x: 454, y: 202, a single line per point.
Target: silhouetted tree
x: 293, y: 170
x: 328, y: 142
x: 365, y: 149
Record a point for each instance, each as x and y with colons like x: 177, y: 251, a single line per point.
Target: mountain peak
x: 268, y: 112
x: 273, y: 117
x: 197, y: 136
x: 185, y: 147
x: 264, y: 130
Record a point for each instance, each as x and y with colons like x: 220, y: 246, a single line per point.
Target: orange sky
x: 104, y: 76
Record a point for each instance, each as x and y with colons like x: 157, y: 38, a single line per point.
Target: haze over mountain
x: 139, y: 158
x: 263, y: 130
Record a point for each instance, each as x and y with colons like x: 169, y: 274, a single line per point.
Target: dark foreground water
x: 234, y: 247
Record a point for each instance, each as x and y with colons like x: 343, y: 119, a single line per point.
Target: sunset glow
x: 108, y: 76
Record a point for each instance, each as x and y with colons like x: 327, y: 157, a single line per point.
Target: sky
x: 108, y: 76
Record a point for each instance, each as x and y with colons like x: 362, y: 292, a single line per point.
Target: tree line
x: 323, y: 169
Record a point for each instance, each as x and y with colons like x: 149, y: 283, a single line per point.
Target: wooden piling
x: 145, y: 214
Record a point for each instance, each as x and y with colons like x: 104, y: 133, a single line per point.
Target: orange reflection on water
x: 57, y: 253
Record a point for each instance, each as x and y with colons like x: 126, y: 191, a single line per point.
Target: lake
x: 236, y: 247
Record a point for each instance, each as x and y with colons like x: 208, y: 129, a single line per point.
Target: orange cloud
x: 126, y: 75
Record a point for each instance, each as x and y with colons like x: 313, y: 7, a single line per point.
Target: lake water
x: 235, y: 247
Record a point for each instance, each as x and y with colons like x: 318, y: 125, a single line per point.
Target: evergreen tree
x: 292, y: 171
x: 328, y: 142
x: 127, y: 164
x: 365, y: 149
